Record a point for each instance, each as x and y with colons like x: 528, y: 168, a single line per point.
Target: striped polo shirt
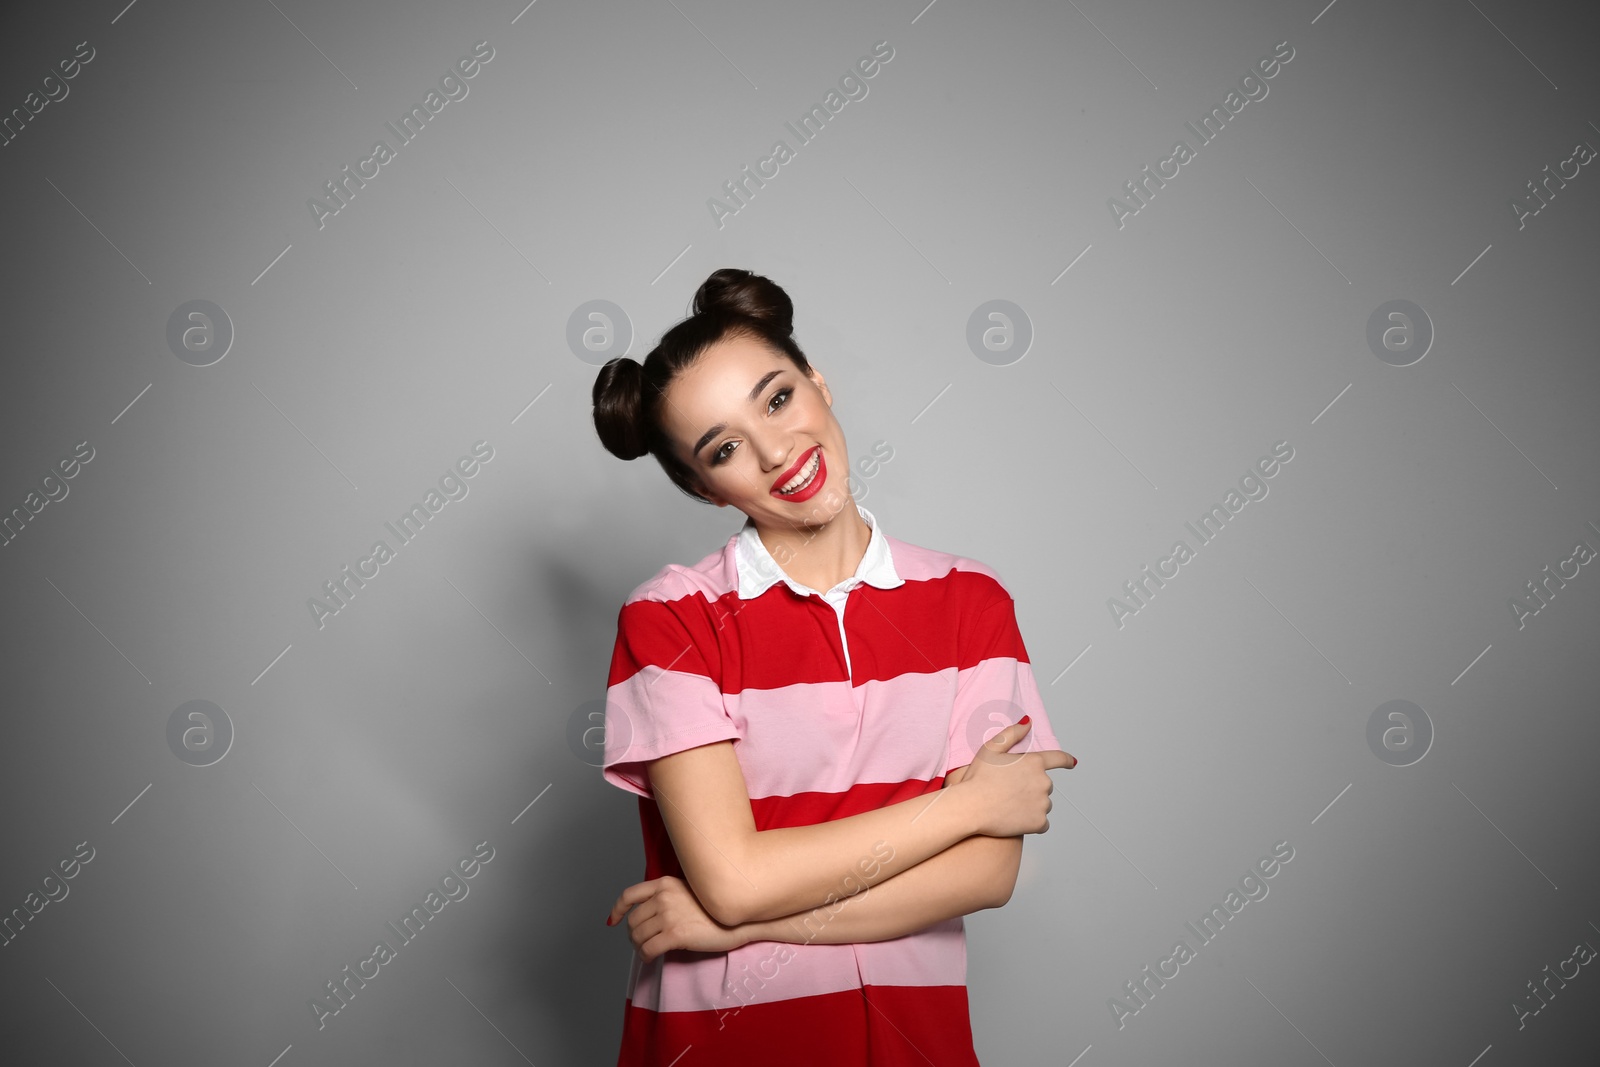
x: 836, y: 703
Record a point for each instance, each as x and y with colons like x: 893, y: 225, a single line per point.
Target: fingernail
x: 608, y: 918
x: 1022, y: 720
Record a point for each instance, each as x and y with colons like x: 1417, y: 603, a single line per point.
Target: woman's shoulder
x: 971, y: 579
x: 707, y: 578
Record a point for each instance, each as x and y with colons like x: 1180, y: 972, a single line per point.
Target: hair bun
x: 619, y: 407
x: 738, y: 292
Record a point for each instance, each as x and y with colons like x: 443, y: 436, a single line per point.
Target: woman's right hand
x: 1011, y: 790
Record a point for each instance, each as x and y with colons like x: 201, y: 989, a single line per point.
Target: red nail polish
x: 1022, y: 720
x: 608, y: 918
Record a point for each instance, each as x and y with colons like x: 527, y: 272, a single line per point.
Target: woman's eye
x: 780, y: 398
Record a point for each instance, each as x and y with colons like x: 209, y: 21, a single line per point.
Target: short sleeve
x: 995, y: 686
x: 661, y: 696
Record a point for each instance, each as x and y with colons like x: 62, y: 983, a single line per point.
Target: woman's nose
x: 774, y: 453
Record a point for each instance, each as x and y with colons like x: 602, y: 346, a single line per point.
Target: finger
x: 1004, y: 739
x: 1009, y: 736
x: 656, y: 946
x: 641, y: 933
x: 634, y: 894
x: 1055, y: 758
x: 644, y: 911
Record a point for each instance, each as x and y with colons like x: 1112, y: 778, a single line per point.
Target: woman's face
x: 747, y: 422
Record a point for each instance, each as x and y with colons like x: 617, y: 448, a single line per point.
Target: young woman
x: 802, y: 714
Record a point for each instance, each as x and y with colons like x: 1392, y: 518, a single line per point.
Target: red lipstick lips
x: 812, y: 487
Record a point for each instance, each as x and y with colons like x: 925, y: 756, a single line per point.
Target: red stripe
x: 780, y: 639
x: 771, y: 813
x: 675, y: 635
x: 874, y: 1026
x: 808, y: 809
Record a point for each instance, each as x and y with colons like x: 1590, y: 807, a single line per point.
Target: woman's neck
x: 823, y: 555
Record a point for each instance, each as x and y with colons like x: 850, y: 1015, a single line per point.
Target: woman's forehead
x: 725, y: 373
x: 717, y: 386
x: 740, y: 349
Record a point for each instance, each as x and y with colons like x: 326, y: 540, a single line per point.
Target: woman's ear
x: 710, y: 498
x: 822, y: 384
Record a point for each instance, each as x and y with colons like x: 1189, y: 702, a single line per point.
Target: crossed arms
x: 899, y: 868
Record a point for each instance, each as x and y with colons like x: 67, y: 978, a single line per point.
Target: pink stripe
x: 917, y: 564
x: 713, y: 576
x: 798, y: 739
x: 767, y: 971
x: 803, y: 732
x: 996, y: 693
x: 813, y: 738
x: 936, y: 955
x: 697, y: 719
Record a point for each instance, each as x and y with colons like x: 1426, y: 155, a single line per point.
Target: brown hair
x: 628, y: 395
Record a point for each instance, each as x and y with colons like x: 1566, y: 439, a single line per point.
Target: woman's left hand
x: 667, y: 915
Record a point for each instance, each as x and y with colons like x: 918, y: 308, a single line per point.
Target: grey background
x: 1229, y: 314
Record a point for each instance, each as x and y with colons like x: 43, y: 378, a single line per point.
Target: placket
x: 838, y: 613
x: 844, y: 641
x: 838, y: 617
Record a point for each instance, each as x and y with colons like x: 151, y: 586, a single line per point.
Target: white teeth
x: 804, y: 477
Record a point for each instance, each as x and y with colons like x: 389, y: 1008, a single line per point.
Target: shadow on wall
x: 569, y: 962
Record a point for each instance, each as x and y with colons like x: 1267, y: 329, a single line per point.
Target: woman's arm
x: 742, y: 875
x: 973, y: 874
x: 664, y: 914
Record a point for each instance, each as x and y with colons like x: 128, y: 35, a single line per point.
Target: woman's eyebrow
x: 705, y: 438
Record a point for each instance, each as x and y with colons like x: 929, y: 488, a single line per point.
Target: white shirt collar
x: 758, y: 571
